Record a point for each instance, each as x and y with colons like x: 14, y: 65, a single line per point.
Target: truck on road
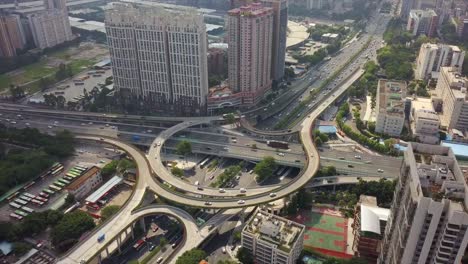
x: 277, y: 144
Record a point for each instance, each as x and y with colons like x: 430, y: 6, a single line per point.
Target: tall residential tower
x: 159, y: 58
x: 428, y: 218
x: 250, y: 37
x: 280, y: 27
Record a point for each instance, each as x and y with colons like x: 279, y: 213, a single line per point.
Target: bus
x: 75, y: 171
x: 22, y: 202
x: 42, y: 199
x: 15, y: 205
x: 68, y: 178
x: 45, y: 195
x: 55, y: 188
x: 15, y: 216
x: 27, y: 209
x: 37, y: 202
x: 280, y: 171
x: 11, y: 197
x: 57, y: 183
x: 57, y: 171
x: 62, y: 180
x: 25, y: 198
x: 139, y: 244
x: 205, y: 162
x: 19, y: 212
x: 72, y: 175
x: 49, y: 192
x: 81, y: 167
x: 29, y: 195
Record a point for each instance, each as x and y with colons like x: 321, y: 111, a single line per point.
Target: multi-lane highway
x: 153, y: 175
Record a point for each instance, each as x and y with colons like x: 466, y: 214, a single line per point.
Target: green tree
x: 254, y: 146
x: 265, y: 168
x: 184, y: 148
x: 244, y: 256
x: 230, y: 118
x: 193, y: 256
x: 110, y: 168
x: 162, y: 242
x: 109, y: 211
x: 318, y: 141
x: 177, y: 171
x: 70, y: 199
x: 69, y: 229
x: 20, y: 248
x: 125, y: 164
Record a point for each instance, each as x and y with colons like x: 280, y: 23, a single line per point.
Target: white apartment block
x: 50, y: 28
x: 390, y: 107
x: 272, y: 239
x: 451, y: 99
x: 433, y: 56
x: 250, y: 36
x: 428, y: 218
x: 425, y: 122
x: 159, y: 57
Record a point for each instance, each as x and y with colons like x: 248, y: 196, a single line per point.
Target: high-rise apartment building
x: 50, y: 28
x: 461, y: 27
x: 433, y: 56
x: 428, y: 220
x: 452, y: 97
x: 422, y: 22
x: 250, y: 37
x: 280, y: 28
x: 390, y: 107
x: 272, y: 239
x: 12, y: 36
x: 315, y: 4
x: 159, y: 57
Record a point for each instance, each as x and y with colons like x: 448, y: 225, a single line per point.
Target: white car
x: 222, y: 190
x: 357, y: 157
x: 241, y: 202
x: 158, y: 144
x: 281, y: 154
x: 49, y: 127
x: 272, y: 194
x: 380, y: 170
x: 226, y: 148
x: 243, y: 190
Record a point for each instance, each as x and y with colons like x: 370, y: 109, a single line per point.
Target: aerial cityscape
x: 234, y: 131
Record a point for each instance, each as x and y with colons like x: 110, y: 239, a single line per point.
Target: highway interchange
x: 154, y: 176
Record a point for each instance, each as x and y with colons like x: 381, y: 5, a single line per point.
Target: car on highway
x: 241, y: 202
x: 49, y: 127
x: 160, y: 259
x: 357, y: 157
x: 272, y: 194
x: 380, y: 170
x: 280, y: 154
x: 208, y: 203
x: 243, y: 190
x: 152, y: 247
x: 221, y: 190
x: 158, y: 144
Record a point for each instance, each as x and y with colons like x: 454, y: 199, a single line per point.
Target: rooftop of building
x: 422, y: 13
x: 297, y: 33
x: 254, y: 9
x: 438, y: 174
x: 458, y: 83
x: 274, y: 229
x: 391, y: 96
x: 88, y: 174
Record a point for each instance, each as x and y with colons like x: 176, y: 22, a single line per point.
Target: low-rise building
x: 424, y: 121
x: 369, y: 227
x: 433, y: 56
x: 422, y: 22
x: 391, y: 97
x: 89, y: 181
x: 451, y: 99
x: 272, y: 239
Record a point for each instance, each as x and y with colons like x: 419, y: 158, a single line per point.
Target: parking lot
x: 86, y: 155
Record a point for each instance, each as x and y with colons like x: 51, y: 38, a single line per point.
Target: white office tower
x: 272, y: 239
x: 428, y: 218
x: 433, y: 56
x: 158, y: 58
